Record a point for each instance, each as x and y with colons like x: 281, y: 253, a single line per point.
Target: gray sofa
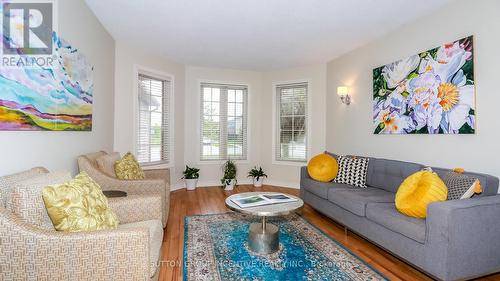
x: 459, y: 239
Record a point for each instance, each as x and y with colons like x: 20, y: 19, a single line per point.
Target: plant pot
x: 191, y: 183
x: 229, y: 184
x: 258, y: 183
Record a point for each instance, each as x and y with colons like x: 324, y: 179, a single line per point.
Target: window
x: 291, y: 122
x: 223, y: 122
x: 153, y: 139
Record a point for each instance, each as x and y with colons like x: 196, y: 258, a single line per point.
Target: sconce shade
x: 342, y: 91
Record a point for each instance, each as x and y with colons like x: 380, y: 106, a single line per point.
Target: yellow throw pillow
x: 418, y: 191
x: 128, y: 168
x: 78, y: 205
x: 323, y: 167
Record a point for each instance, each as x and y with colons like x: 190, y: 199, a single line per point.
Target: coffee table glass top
x: 272, y: 210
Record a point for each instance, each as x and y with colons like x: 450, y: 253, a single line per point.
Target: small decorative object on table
x: 228, y: 181
x: 190, y: 177
x: 258, y: 176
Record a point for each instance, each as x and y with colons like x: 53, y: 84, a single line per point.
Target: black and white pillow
x: 352, y: 171
x: 461, y: 186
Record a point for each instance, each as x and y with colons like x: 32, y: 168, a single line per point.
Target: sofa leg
x: 346, y: 231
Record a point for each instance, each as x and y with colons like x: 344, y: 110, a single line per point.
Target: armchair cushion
x: 8, y: 182
x: 128, y: 168
x: 155, y: 240
x: 78, y: 205
x: 26, y: 198
x: 106, y: 163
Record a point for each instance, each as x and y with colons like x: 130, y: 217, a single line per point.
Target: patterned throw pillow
x: 78, y: 205
x: 461, y: 186
x: 128, y: 168
x: 352, y: 171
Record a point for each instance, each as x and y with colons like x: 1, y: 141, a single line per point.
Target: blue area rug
x: 215, y: 248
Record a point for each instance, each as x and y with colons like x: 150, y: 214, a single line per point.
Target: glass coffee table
x: 263, y: 238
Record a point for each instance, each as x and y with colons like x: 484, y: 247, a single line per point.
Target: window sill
x: 220, y: 162
x: 289, y: 163
x: 157, y: 166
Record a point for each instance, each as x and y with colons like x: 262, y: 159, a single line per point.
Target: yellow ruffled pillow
x: 323, y: 168
x: 78, y: 205
x: 128, y: 168
x: 418, y: 191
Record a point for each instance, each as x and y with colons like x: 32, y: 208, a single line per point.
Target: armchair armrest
x: 158, y: 174
x: 135, y: 208
x: 462, y: 237
x: 28, y: 252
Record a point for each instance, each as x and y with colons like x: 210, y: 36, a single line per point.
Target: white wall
x: 128, y: 59
x: 282, y: 173
x: 349, y: 128
x: 211, y: 173
x: 59, y: 150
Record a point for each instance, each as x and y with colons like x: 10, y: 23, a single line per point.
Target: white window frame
x: 198, y: 129
x: 138, y: 70
x: 309, y: 115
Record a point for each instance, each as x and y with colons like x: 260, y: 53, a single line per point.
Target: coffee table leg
x: 263, y: 238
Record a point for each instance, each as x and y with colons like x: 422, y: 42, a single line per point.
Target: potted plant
x: 257, y: 175
x: 190, y: 177
x: 229, y: 179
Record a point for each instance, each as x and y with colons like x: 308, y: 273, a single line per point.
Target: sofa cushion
x: 385, y: 214
x: 352, y: 171
x: 355, y: 199
x: 389, y: 174
x: 155, y: 240
x: 323, y: 167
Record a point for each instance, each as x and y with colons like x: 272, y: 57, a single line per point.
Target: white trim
x: 139, y: 69
x: 198, y: 122
x: 204, y: 184
x: 309, y: 114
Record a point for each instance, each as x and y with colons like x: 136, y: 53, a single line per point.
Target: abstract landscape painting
x: 56, y: 99
x: 429, y: 93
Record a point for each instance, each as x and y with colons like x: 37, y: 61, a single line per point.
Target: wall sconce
x: 344, y: 95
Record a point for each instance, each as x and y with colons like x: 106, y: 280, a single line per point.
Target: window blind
x: 223, y: 122
x: 153, y: 138
x: 291, y: 121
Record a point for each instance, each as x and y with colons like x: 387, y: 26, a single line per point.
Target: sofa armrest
x: 462, y: 237
x: 28, y: 252
x: 135, y: 208
x: 303, y: 175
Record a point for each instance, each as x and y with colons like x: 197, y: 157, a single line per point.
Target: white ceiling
x: 254, y: 34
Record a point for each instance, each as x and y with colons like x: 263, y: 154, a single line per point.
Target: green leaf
x: 412, y: 75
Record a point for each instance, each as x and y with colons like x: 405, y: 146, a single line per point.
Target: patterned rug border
x: 184, y: 258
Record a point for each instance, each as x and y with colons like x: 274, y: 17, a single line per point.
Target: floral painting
x: 55, y: 99
x: 429, y: 93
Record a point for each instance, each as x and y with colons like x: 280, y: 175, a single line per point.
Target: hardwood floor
x: 210, y: 200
